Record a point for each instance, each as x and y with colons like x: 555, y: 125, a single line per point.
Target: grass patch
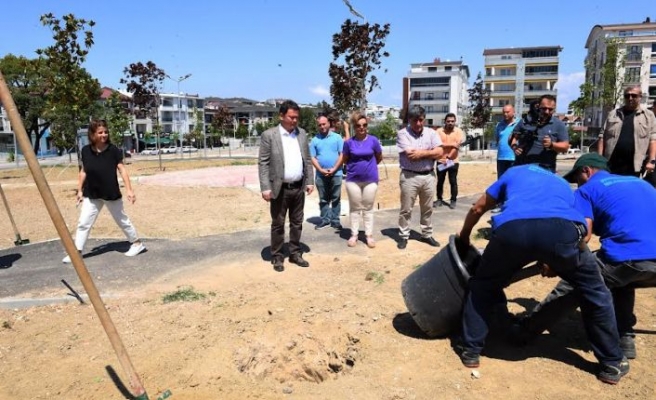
x: 185, y: 293
x: 377, y: 277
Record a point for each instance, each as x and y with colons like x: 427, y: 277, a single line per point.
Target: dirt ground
x: 337, y: 330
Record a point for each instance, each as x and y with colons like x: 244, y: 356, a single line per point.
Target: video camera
x: 528, y: 131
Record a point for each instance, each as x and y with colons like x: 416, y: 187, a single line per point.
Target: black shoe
x: 337, y: 226
x: 611, y: 374
x: 452, y: 204
x: 278, y: 265
x: 627, y: 344
x: 322, y: 225
x: 402, y: 244
x: 298, y: 260
x: 430, y: 241
x: 469, y: 359
x: 437, y: 203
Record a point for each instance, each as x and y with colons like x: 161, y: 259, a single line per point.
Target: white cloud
x: 568, y: 89
x: 320, y: 90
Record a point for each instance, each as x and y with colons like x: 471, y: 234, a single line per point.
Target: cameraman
x: 539, y: 137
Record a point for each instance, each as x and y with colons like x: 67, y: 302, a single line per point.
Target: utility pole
x: 178, y: 80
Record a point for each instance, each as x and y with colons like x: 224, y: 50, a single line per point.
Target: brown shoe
x: 298, y: 260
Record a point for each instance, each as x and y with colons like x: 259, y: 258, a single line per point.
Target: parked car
x: 189, y: 149
x: 573, y: 151
x: 170, y: 150
x: 150, y: 151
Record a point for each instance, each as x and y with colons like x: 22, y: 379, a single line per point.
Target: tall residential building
x: 637, y: 43
x: 440, y: 87
x: 520, y: 75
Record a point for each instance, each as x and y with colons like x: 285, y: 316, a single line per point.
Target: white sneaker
x: 135, y: 249
x: 67, y: 260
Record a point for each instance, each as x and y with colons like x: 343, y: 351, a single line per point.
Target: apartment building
x: 440, y: 87
x: 520, y: 75
x: 637, y: 53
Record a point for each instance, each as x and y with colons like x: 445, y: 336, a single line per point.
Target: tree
x: 242, y: 131
x: 387, y: 129
x: 221, y: 119
x: 72, y: 91
x: 357, y: 52
x: 479, y: 105
x: 25, y: 78
x: 307, y: 120
x: 143, y: 82
x: 612, y: 80
x: 117, y: 117
x: 196, y: 134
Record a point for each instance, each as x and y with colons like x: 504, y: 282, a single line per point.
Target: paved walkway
x: 35, y: 271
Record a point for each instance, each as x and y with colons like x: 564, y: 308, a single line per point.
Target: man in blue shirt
x: 502, y: 132
x: 326, y: 152
x: 538, y: 140
x: 549, y: 233
x: 620, y: 210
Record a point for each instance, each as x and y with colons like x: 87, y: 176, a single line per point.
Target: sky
x: 262, y: 49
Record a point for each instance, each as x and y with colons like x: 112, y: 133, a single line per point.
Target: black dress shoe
x: 430, y: 241
x: 298, y: 260
x: 402, y: 244
x: 452, y: 204
x: 278, y: 265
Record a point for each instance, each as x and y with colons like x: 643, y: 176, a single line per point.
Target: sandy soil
x: 337, y: 330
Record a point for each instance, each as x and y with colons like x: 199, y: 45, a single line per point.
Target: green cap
x: 594, y: 160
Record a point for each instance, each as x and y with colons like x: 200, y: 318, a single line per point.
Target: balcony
x: 500, y: 78
x: 540, y: 76
x: 634, y: 58
x: 539, y: 92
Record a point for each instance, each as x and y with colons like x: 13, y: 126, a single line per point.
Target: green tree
x: 117, y: 117
x: 386, y: 129
x: 479, y: 107
x: 307, y: 120
x: 25, y: 78
x: 222, y: 119
x: 72, y: 91
x: 612, y: 80
x: 196, y: 134
x: 357, y: 52
x: 242, y: 131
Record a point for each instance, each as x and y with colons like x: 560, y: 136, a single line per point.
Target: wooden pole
x: 136, y: 387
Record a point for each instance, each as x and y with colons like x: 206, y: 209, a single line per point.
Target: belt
x: 430, y: 171
x: 292, y: 185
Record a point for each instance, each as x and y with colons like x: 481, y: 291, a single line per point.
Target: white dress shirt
x: 292, y: 156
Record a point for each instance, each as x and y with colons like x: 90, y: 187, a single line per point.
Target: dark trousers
x: 555, y: 242
x: 621, y: 278
x: 503, y: 166
x: 329, y: 189
x: 453, y: 182
x: 292, y: 200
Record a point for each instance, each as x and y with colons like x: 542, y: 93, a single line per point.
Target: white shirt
x: 292, y: 156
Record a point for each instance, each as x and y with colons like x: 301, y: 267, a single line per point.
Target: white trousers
x: 89, y: 213
x: 361, y: 197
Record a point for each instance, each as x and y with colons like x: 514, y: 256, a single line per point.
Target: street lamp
x: 178, y: 80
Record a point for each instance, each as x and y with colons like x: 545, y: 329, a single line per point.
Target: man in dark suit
x: 286, y: 174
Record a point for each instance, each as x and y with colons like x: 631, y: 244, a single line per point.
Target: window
x: 632, y: 75
x: 432, y: 69
x: 429, y: 96
x: 634, y: 53
x: 653, y: 49
x: 505, y: 87
x: 652, y: 71
x: 506, y: 72
x: 541, y: 69
x: 540, y: 53
x: 447, y: 68
x: 625, y: 33
x: 506, y: 57
x: 445, y: 95
x: 429, y: 109
x: 167, y: 102
x: 488, y: 71
x: 445, y: 109
x: 422, y: 82
x: 416, y: 96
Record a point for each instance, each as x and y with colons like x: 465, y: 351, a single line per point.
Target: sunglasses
x: 631, y: 96
x: 547, y: 108
x: 361, y: 125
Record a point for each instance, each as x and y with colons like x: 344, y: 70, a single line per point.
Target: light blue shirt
x: 326, y: 149
x: 502, y: 132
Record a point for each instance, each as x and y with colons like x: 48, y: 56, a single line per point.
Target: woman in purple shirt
x: 361, y: 155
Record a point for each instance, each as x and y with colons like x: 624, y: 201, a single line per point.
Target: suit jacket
x: 271, y: 160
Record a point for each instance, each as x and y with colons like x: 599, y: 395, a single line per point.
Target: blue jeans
x: 621, y: 278
x: 330, y: 194
x: 554, y: 241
